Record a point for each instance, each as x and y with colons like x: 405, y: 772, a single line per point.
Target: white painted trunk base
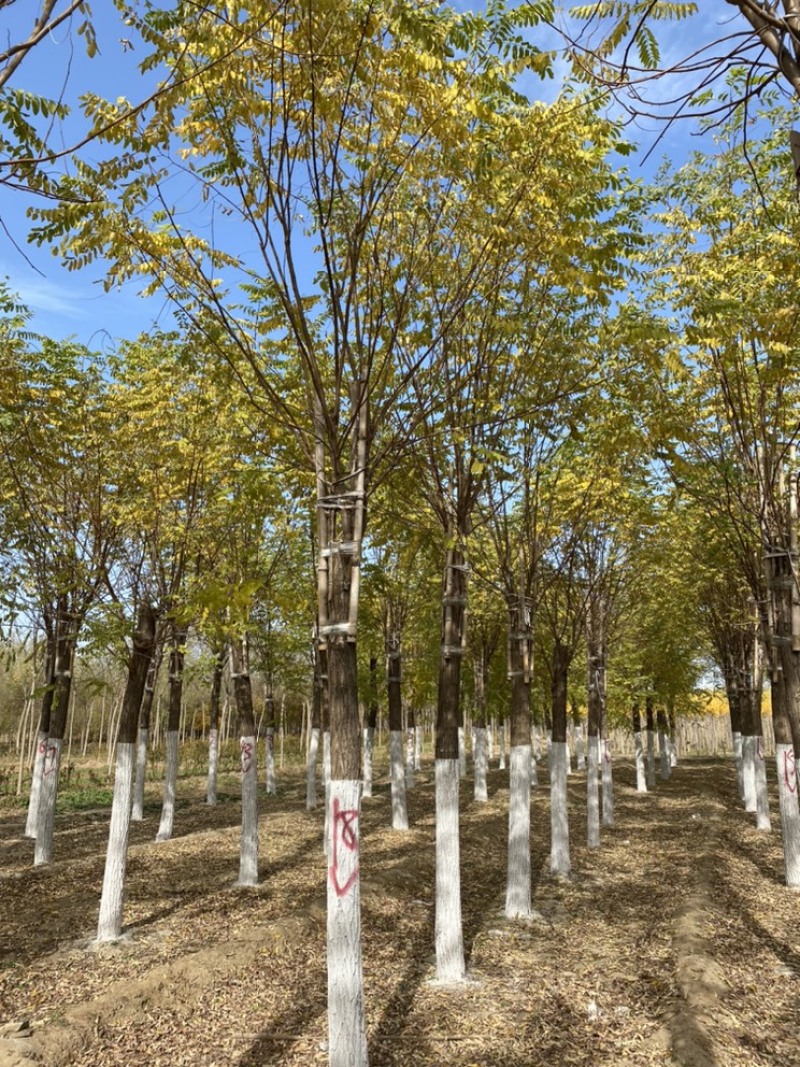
x: 607, y: 773
x: 490, y: 740
x: 739, y: 758
x: 248, y: 849
x: 580, y: 748
x: 410, y: 758
x: 109, y: 925
x: 36, y: 785
x: 311, y: 770
x: 170, y: 785
x: 398, y: 778
x: 569, y: 759
x: 326, y: 779
x: 534, y: 769
x: 673, y: 752
x: 593, y: 793
x: 651, y: 759
x: 449, y: 935
x: 518, y: 885
x: 749, y: 773
x: 347, y: 1032
x: 762, y: 797
x: 462, y: 753
x: 272, y: 785
x: 368, y: 742
x: 501, y: 745
x: 641, y: 779
x: 213, y: 766
x: 790, y: 812
x: 663, y: 756
x: 481, y: 765
x: 46, y: 812
x: 559, y: 822
x: 419, y: 736
x: 137, y: 810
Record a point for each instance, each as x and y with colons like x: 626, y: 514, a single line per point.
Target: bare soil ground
x: 675, y: 943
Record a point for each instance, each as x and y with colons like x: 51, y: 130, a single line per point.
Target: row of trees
x: 433, y: 303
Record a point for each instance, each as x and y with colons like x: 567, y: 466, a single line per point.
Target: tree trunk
x: 269, y: 717
x: 787, y: 782
x: 369, y: 726
x: 732, y: 691
x: 397, y: 771
x: 243, y: 692
x: 593, y: 727
x: 109, y: 926
x: 46, y: 811
x: 651, y: 756
x: 665, y: 769
x: 559, y: 821
x: 450, y: 966
x: 143, y: 736
x: 641, y: 781
x: 481, y: 762
x: 518, y: 881
x: 41, y: 740
x: 213, y: 727
x: 176, y: 661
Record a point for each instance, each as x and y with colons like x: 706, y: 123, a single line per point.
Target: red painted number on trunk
x: 247, y: 755
x: 790, y: 771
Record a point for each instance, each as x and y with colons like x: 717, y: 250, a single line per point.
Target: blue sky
x: 74, y: 303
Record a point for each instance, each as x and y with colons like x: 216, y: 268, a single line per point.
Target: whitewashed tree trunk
x: 739, y: 758
x: 398, y: 777
x: 109, y: 926
x: 607, y: 771
x: 534, y: 770
x: 559, y: 821
x: 749, y: 772
x: 501, y: 745
x: 462, y: 752
x: 170, y: 787
x: 36, y: 785
x: 272, y: 786
x: 137, y: 811
x: 790, y: 812
x: 248, y: 851
x: 663, y: 755
x: 418, y: 738
x: 490, y: 740
x: 410, y: 758
x: 673, y: 751
x: 46, y: 813
x: 311, y: 770
x: 481, y: 764
x: 449, y: 937
x: 593, y: 793
x: 368, y: 742
x: 213, y: 766
x: 651, y: 760
x: 641, y: 780
x: 518, y: 885
x: 347, y: 1037
x: 762, y: 797
x: 580, y: 751
x: 569, y: 758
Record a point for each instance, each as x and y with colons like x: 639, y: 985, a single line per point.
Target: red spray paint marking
x: 789, y: 771
x: 49, y: 759
x: 759, y: 749
x: 345, y: 832
x: 247, y: 755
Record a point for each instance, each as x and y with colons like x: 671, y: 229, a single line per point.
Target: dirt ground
x: 674, y: 943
